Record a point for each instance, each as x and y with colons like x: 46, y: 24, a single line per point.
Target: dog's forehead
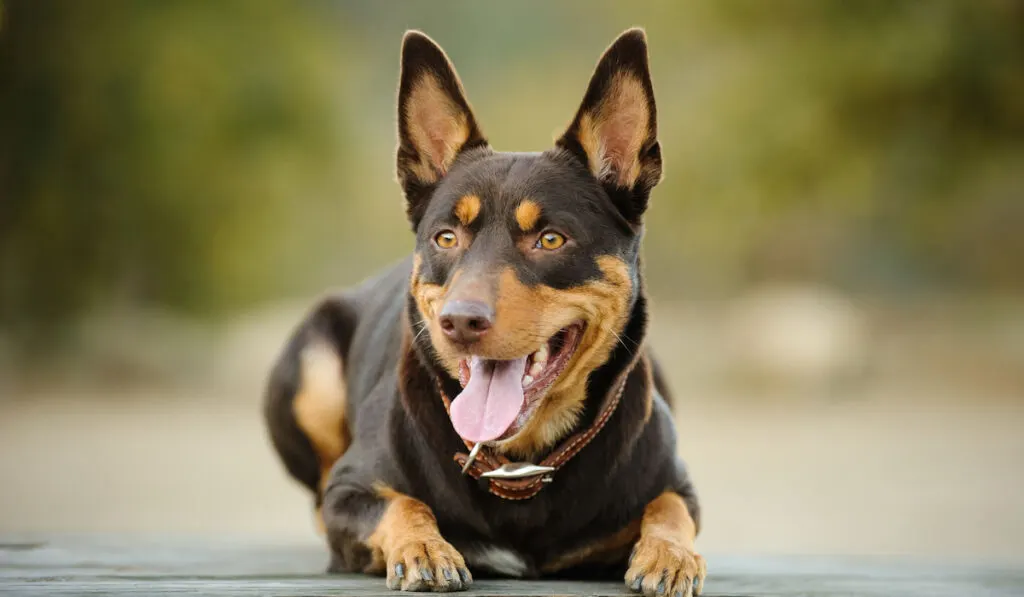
x: 502, y: 181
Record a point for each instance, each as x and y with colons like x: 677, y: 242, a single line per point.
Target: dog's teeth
x: 541, y: 354
x: 527, y: 380
x: 536, y: 369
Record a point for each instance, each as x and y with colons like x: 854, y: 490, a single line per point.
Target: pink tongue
x: 491, y: 400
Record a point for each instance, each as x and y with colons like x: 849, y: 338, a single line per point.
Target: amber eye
x: 550, y: 241
x: 446, y: 239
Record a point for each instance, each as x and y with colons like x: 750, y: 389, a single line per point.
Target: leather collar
x: 525, y: 488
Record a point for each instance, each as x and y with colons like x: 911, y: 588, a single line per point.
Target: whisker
x: 620, y: 339
x: 423, y: 328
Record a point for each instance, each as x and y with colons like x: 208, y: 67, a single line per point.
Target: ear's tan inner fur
x: 437, y: 127
x: 613, y: 134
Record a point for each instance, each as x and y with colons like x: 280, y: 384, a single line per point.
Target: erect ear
x: 615, y: 131
x: 435, y: 122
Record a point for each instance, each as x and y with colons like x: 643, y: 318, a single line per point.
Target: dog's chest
x: 523, y: 549
x: 501, y: 560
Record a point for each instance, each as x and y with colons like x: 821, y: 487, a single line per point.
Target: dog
x: 488, y: 405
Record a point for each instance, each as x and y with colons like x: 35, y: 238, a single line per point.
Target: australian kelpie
x: 489, y: 405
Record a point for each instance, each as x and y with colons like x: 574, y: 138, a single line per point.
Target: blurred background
x: 835, y: 257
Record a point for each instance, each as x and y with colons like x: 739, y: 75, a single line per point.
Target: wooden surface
x: 91, y: 565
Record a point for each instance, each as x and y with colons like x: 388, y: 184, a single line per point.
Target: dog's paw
x: 662, y: 568
x: 430, y: 565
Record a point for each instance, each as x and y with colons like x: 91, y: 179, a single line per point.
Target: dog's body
x: 382, y: 390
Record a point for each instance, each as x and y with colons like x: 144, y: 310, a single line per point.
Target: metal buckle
x: 512, y: 470
x: 471, y: 457
x: 518, y: 470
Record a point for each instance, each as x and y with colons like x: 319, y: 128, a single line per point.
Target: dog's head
x: 526, y: 265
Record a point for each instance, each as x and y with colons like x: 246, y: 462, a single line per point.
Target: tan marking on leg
x: 319, y: 406
x: 318, y: 519
x: 607, y: 550
x: 665, y: 552
x: 467, y: 209
x: 417, y: 556
x: 527, y: 214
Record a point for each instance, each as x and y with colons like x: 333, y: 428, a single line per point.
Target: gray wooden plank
x: 98, y: 565
x: 294, y: 587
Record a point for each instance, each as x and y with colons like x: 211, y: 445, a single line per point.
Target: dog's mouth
x: 499, y: 396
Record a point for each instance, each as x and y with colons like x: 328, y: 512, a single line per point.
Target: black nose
x: 466, y: 321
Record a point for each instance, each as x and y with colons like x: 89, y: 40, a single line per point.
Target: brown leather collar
x: 527, y: 487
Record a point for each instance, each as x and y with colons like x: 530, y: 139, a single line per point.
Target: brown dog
x: 510, y: 346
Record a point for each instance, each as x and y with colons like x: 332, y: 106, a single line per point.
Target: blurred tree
x: 876, y: 145
x: 204, y: 156
x: 148, y: 149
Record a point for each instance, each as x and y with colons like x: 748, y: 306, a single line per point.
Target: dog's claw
x: 661, y: 569
x: 638, y: 581
x: 427, y: 566
x: 417, y: 586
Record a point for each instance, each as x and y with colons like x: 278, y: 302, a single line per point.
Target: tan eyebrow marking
x: 527, y: 214
x: 467, y: 209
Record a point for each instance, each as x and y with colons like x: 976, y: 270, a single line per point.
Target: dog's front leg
x: 401, y: 535
x: 664, y: 563
x: 416, y: 556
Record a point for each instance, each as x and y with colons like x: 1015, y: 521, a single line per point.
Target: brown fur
x: 613, y: 134
x: 527, y: 214
x: 438, y: 128
x: 407, y: 536
x: 467, y: 209
x: 319, y: 406
x: 615, y: 128
x: 372, y: 367
x: 528, y: 316
x: 428, y: 296
x: 665, y: 552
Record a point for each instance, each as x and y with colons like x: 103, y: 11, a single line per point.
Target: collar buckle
x: 519, y: 470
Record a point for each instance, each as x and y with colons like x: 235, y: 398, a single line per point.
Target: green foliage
x: 875, y: 145
x: 206, y: 155
x: 150, y: 150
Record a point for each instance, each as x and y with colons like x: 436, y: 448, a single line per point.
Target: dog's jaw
x: 544, y: 366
